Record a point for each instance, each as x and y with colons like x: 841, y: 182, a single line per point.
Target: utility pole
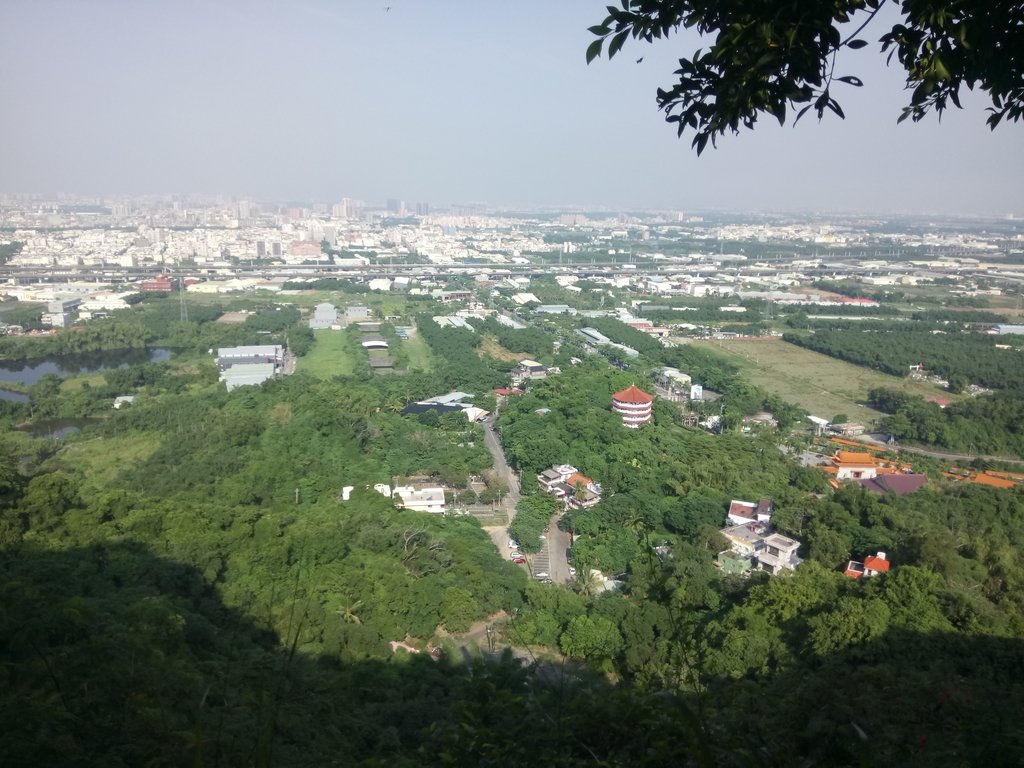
x: 181, y: 298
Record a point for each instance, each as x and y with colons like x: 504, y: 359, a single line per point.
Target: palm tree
x: 580, y: 492
x: 349, y: 613
x: 587, y: 582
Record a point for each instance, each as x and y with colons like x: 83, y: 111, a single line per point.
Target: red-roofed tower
x: 633, y: 405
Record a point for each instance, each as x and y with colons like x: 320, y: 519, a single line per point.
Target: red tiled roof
x: 632, y: 395
x: 855, y: 459
x: 879, y: 564
x: 578, y: 478
x: 854, y: 569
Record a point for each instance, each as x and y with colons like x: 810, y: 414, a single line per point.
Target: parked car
x: 513, y: 544
x: 541, y: 575
x: 572, y: 571
x: 519, y: 560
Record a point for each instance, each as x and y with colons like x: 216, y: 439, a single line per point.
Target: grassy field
x: 821, y: 384
x: 104, y: 458
x: 330, y: 355
x: 490, y: 346
x: 418, y: 352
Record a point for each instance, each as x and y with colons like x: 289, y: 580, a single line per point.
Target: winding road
x: 552, y: 557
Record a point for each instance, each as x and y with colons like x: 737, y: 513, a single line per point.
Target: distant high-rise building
x: 396, y: 206
x: 244, y: 211
x: 261, y: 249
x: 422, y: 209
x: 275, y: 249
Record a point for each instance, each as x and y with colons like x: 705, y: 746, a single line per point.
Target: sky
x: 446, y: 102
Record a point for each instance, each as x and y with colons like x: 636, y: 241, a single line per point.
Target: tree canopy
x: 767, y: 56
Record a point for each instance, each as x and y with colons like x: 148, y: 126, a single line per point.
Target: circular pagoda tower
x: 633, y: 405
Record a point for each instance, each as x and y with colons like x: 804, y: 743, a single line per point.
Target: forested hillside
x: 183, y: 584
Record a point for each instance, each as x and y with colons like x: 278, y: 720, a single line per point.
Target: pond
x: 29, y: 372
x: 56, y: 429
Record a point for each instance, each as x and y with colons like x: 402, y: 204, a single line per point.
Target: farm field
x: 419, y: 354
x: 330, y: 355
x: 822, y: 385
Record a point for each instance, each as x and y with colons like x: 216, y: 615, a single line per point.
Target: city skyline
x: 446, y: 103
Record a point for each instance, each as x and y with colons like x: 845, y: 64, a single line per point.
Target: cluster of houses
x: 752, y: 543
x: 567, y: 484
x: 754, y: 546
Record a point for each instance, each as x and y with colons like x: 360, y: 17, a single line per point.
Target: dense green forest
x: 964, y: 357
x: 987, y: 425
x: 182, y: 582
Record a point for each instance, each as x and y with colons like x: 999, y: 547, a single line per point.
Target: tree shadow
x: 904, y: 698
x: 112, y: 656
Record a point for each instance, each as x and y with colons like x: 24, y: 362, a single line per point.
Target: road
x: 875, y: 442
x: 500, y: 465
x: 557, y: 544
x: 499, y: 533
x: 552, y: 557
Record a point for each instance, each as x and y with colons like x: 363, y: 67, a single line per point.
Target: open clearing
x: 822, y: 385
x: 103, y: 459
x: 330, y: 355
x: 489, y: 346
x: 419, y: 354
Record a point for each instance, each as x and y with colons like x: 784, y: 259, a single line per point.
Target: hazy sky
x: 443, y: 101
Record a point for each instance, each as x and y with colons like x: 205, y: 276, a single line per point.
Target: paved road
x: 500, y: 465
x: 869, y: 440
x: 558, y: 543
x: 499, y: 533
x: 552, y: 557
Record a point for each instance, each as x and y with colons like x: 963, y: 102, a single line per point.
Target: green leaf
x: 594, y: 49
x: 617, y: 42
x: 599, y: 29
x: 851, y: 80
x: 856, y: 44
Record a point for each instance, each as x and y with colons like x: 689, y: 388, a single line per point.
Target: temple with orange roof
x: 852, y: 465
